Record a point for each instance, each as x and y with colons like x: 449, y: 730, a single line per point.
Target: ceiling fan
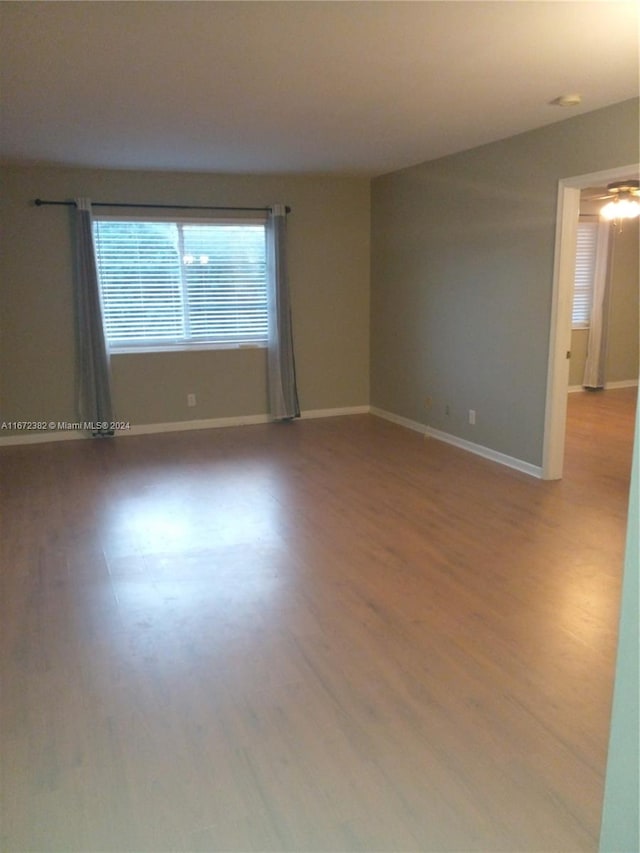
x: 625, y: 200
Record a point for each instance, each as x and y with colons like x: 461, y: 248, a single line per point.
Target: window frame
x: 186, y: 344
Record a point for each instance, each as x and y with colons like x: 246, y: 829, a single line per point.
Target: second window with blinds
x: 591, y: 263
x: 182, y: 284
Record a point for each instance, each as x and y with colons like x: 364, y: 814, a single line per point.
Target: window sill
x: 134, y: 350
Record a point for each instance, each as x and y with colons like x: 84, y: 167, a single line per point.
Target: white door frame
x: 564, y: 264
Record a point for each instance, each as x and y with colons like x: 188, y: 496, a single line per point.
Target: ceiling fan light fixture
x: 567, y: 100
x: 625, y: 203
x: 621, y: 208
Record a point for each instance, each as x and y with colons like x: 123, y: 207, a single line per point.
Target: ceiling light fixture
x: 625, y: 203
x: 567, y: 101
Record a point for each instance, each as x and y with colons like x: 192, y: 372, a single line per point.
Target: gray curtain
x: 281, y: 369
x: 595, y: 364
x: 94, y: 391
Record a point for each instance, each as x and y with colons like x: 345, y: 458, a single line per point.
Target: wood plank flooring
x: 327, y: 636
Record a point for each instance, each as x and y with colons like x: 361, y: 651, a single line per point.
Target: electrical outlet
x: 472, y: 416
x: 191, y: 400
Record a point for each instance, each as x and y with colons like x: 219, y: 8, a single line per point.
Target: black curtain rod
x: 39, y: 202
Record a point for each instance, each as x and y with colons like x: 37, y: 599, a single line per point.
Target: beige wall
x: 462, y: 268
x: 329, y: 276
x: 622, y: 351
x: 623, y: 322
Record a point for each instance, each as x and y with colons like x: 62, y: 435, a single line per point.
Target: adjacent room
x: 318, y: 447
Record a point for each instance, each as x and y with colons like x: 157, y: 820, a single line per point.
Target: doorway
x: 560, y: 330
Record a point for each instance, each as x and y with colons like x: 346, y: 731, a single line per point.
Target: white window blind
x: 180, y: 284
x: 586, y: 248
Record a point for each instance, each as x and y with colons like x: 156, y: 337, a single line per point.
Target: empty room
x: 318, y: 437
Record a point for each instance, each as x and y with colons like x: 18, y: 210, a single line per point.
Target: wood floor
x: 331, y: 636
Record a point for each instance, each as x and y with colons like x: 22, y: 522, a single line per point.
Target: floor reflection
x: 210, y: 549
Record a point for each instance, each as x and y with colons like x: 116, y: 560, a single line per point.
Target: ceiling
x: 344, y: 87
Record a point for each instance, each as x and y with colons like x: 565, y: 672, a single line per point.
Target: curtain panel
x: 281, y: 369
x: 94, y: 386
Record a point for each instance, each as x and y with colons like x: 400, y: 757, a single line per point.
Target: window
x: 182, y: 284
x: 591, y: 267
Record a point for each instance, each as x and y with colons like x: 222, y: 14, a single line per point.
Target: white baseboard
x: 334, y: 413
x: 608, y: 386
x: 487, y: 453
x: 463, y: 444
x: 173, y: 426
x: 202, y: 423
x: 41, y: 437
x: 623, y: 383
x: 416, y: 426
